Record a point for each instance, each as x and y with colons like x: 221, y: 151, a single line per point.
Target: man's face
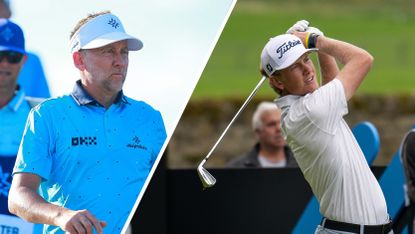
x: 10, y: 65
x: 298, y: 79
x: 269, y: 134
x: 106, y: 67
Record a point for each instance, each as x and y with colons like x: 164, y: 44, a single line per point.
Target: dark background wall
x: 243, y: 201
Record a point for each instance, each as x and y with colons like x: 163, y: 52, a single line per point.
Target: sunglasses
x: 11, y: 56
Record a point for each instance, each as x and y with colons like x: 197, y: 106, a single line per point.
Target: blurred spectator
x: 13, y: 114
x: 270, y: 149
x: 14, y: 109
x: 32, y: 77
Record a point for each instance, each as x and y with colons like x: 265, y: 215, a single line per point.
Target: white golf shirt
x: 330, y: 157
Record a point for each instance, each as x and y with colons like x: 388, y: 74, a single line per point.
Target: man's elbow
x: 367, y: 60
x: 11, y: 204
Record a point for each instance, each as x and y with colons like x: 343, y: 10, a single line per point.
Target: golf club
x: 207, y: 179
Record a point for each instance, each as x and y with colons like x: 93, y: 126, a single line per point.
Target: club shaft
x: 234, y: 118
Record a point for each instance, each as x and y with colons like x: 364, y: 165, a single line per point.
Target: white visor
x: 101, y: 31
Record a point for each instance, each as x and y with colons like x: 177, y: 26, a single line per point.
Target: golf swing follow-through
x: 313, y: 125
x: 207, y: 179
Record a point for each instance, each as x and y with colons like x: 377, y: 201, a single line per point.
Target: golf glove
x: 299, y: 26
x: 315, y: 31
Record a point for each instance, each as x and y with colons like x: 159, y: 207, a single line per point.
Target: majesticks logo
x: 135, y: 144
x: 286, y: 47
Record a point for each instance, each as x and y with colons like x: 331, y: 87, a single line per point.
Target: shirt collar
x: 287, y: 100
x: 17, y: 99
x: 82, y: 97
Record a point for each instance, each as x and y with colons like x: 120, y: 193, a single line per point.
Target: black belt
x: 356, y: 228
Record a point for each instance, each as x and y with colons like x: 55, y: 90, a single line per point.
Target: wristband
x: 311, y: 40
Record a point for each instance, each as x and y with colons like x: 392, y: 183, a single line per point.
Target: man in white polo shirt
x: 329, y: 156
x: 88, y: 153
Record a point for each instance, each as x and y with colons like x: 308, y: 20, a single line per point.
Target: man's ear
x: 274, y: 82
x: 78, y: 60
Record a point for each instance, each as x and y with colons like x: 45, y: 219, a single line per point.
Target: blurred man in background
x: 32, y: 76
x: 270, y: 151
x: 31, y: 81
x: 14, y: 109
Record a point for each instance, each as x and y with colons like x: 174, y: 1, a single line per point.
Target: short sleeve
x: 34, y: 155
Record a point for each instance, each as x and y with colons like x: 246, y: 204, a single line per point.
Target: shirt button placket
x: 107, y: 129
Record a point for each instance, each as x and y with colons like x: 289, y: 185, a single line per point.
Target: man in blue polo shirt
x: 14, y: 108
x: 90, y: 152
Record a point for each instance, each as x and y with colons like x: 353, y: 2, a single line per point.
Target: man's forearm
x: 340, y: 50
x: 357, y: 62
x: 328, y: 67
x: 27, y: 204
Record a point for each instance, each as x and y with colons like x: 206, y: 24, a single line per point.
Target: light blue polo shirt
x: 90, y: 157
x: 13, y: 118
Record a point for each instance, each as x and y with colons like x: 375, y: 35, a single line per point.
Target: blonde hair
x: 85, y: 20
x: 276, y: 73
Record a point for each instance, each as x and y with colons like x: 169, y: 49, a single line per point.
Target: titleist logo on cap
x: 286, y: 46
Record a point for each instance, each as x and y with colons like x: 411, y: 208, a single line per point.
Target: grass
x: 384, y: 28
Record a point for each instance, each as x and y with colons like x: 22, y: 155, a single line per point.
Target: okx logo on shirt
x: 88, y: 140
